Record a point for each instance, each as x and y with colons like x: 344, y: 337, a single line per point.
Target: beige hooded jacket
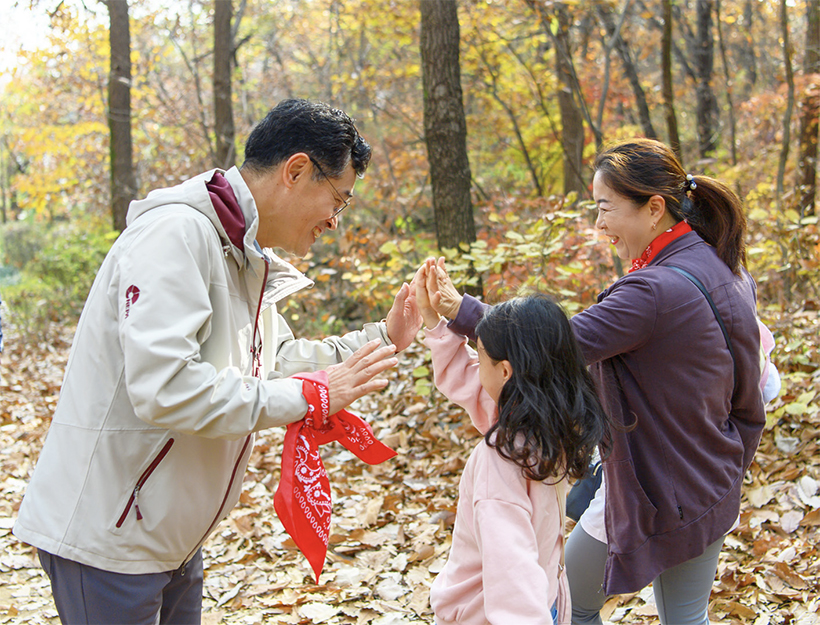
x: 154, y: 427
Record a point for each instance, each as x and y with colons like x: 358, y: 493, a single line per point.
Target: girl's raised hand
x: 420, y: 282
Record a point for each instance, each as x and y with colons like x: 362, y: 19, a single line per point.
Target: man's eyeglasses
x: 344, y: 202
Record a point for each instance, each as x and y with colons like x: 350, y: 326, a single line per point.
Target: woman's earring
x: 654, y: 226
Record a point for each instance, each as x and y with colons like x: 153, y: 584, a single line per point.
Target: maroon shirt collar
x: 227, y: 209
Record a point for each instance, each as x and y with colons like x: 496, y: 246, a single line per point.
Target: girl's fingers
x: 432, y: 280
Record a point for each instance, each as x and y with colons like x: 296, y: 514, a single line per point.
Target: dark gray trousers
x: 681, y: 593
x: 85, y: 595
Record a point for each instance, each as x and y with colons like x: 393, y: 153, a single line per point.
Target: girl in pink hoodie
x: 526, y: 388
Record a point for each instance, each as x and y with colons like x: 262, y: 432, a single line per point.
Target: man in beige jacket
x: 180, y: 356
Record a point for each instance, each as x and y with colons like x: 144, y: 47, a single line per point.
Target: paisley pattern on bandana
x: 310, y: 491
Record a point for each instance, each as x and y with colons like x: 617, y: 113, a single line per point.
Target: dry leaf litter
x: 392, y: 523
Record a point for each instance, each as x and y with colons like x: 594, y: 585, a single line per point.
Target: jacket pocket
x: 632, y: 517
x: 133, y: 500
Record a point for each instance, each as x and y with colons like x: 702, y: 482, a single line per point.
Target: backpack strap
x: 561, y: 493
x: 703, y: 290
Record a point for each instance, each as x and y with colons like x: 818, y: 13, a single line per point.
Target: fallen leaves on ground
x: 392, y: 523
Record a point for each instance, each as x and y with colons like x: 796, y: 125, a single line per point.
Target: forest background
x: 484, y: 117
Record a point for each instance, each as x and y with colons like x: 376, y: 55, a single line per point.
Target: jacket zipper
x: 133, y: 499
x: 224, y: 499
x: 256, y: 354
x: 256, y: 347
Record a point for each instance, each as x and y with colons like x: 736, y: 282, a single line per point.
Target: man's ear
x: 296, y: 167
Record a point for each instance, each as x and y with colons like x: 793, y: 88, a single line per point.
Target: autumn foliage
x: 392, y: 522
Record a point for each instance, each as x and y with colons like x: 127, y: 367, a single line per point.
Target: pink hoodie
x: 505, y: 561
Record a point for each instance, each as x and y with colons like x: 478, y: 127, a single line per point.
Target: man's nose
x: 333, y: 222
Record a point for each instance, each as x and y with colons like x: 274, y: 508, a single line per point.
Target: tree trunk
x: 789, y: 274
x: 4, y: 174
x: 704, y: 61
x: 123, y: 179
x: 572, y: 121
x: 748, y: 49
x: 675, y: 12
x: 622, y: 47
x: 572, y: 114
x: 570, y: 96
x: 668, y: 87
x: 445, y: 128
x: 807, y: 164
x: 787, y: 61
x: 728, y: 79
x: 223, y: 109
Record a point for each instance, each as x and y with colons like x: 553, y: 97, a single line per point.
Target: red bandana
x: 302, y: 499
x: 658, y: 243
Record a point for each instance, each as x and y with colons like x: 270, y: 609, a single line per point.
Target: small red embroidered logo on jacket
x: 132, y: 294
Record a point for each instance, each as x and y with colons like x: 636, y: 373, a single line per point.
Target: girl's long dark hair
x: 640, y: 168
x: 549, y: 417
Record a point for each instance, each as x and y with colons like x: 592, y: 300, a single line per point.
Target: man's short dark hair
x: 327, y: 134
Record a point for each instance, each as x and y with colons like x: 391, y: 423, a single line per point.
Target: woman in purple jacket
x: 687, y: 412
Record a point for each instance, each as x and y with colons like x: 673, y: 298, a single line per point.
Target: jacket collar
x: 283, y: 278
x: 681, y: 243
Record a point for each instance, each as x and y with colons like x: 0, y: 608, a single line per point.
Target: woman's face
x: 628, y: 227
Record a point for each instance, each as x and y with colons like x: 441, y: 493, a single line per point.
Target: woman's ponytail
x: 717, y: 216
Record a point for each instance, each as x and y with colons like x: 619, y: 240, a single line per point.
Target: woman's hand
x: 444, y: 297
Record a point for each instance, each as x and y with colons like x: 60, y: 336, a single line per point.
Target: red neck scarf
x: 302, y: 499
x: 658, y: 243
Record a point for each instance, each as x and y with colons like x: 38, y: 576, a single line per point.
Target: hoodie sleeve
x: 455, y: 370
x: 165, y: 314
x: 509, y: 550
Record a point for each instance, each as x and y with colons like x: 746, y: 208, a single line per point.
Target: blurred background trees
x: 539, y: 84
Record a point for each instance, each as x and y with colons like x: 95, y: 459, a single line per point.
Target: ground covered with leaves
x: 392, y: 523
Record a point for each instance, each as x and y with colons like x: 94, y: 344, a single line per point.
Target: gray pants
x: 85, y: 595
x: 681, y: 593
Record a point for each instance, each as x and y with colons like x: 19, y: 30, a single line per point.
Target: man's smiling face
x: 301, y: 205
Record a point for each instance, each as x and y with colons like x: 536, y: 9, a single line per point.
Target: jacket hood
x: 194, y: 193
x: 283, y: 278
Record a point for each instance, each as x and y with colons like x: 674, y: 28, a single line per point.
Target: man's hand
x: 444, y: 297
x: 403, y: 320
x: 354, y: 378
